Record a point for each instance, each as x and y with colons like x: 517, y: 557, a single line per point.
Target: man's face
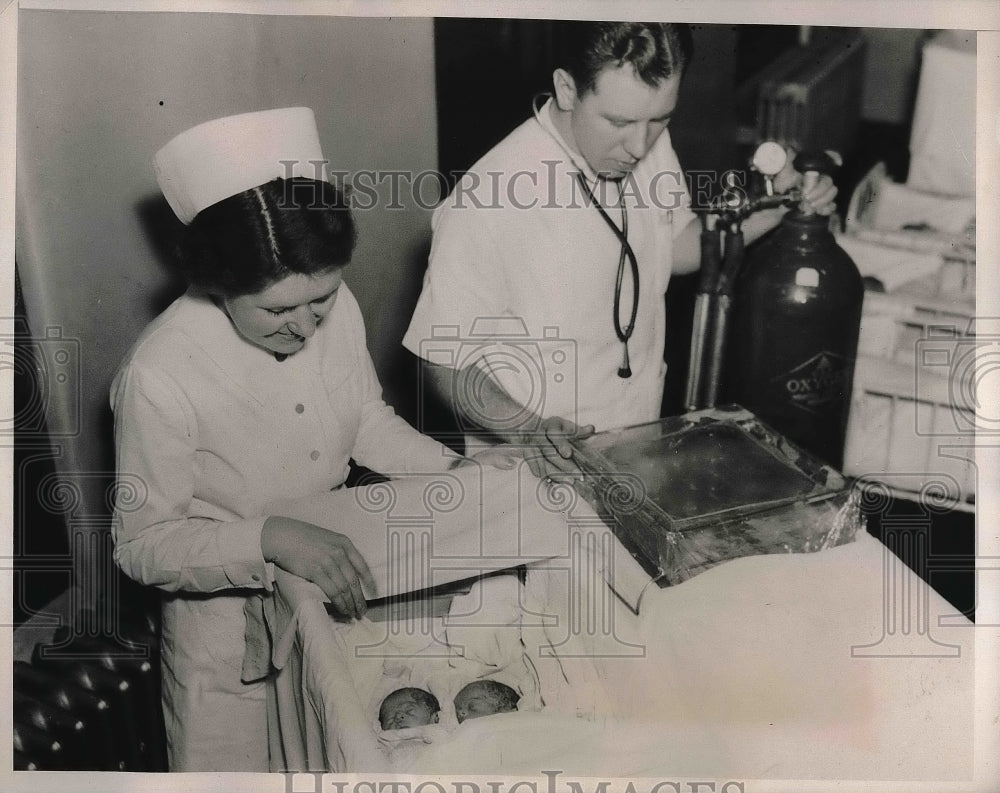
x: 617, y: 123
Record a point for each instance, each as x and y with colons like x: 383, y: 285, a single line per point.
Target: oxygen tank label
x: 817, y: 383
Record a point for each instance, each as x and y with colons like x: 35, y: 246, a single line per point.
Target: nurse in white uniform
x: 542, y: 313
x: 254, y: 386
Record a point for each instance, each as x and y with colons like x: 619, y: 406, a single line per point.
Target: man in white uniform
x: 542, y: 314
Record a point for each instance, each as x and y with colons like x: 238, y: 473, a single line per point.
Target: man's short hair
x: 656, y: 50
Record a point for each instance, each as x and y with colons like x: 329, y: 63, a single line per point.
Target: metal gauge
x: 770, y: 158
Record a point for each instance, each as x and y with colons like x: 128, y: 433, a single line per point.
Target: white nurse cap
x: 224, y: 157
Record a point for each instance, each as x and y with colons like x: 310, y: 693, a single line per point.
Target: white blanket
x: 335, y: 675
x: 783, y: 666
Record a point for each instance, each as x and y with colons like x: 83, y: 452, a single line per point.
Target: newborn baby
x: 408, y: 707
x: 484, y: 698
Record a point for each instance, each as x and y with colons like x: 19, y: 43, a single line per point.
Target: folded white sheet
x: 431, y: 529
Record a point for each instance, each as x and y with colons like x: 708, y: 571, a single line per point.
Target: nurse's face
x: 282, y: 317
x: 617, y: 123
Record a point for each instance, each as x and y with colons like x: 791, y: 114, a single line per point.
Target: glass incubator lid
x: 704, y: 466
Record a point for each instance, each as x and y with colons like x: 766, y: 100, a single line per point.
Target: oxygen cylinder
x: 796, y: 319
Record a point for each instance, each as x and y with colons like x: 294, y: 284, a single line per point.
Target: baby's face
x: 473, y: 704
x: 404, y: 711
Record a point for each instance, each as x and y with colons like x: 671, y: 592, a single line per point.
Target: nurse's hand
x: 326, y: 558
x: 548, y: 451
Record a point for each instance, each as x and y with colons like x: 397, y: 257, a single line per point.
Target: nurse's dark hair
x: 244, y: 243
x: 656, y: 50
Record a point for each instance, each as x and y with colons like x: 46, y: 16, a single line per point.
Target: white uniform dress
x: 516, y: 240
x: 213, y: 429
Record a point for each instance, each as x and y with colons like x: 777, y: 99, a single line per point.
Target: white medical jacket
x: 209, y: 430
x: 521, y: 279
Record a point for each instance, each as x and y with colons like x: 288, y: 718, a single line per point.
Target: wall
x: 892, y: 66
x: 100, y: 92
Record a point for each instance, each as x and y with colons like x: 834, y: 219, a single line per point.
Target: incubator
x: 688, y: 492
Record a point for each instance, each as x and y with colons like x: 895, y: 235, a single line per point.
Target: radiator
x: 810, y: 97
x: 91, y: 703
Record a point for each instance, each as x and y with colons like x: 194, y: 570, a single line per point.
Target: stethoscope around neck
x: 623, y: 332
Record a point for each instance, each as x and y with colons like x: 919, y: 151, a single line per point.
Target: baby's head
x: 408, y: 707
x: 483, y: 698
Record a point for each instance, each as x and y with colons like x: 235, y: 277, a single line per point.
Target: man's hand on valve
x: 819, y: 197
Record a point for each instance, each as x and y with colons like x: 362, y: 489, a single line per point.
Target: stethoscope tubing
x: 623, y: 332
